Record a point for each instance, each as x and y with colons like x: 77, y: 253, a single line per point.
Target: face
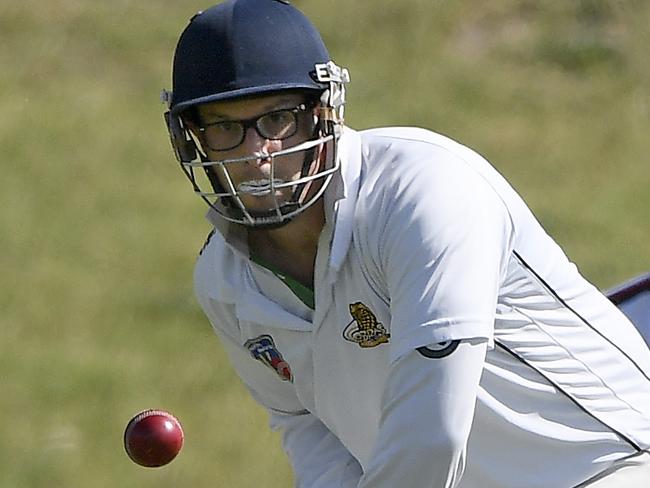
x: 251, y: 178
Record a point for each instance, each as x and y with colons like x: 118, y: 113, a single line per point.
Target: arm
x: 426, y: 419
x: 317, y: 457
x: 441, y: 250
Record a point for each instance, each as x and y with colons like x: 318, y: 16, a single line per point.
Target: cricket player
x: 386, y: 295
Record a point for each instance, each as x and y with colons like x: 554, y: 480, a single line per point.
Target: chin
x: 266, y: 204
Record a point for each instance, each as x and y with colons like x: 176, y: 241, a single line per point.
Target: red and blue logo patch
x: 263, y: 349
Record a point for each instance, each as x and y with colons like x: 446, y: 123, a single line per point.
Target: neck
x: 292, y: 247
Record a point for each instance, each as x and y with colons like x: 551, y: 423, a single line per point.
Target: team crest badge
x: 364, y: 329
x: 263, y: 349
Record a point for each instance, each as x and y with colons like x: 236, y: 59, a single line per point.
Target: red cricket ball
x: 153, y: 438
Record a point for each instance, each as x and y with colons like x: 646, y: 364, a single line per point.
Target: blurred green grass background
x: 99, y: 230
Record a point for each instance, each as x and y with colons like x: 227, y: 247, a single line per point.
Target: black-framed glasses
x: 276, y: 125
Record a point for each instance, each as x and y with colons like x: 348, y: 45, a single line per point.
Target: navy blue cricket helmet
x: 242, y: 48
x: 245, y: 47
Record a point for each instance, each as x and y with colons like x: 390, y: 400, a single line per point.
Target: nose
x: 254, y: 143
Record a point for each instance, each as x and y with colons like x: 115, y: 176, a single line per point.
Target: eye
x: 223, y: 135
x: 225, y: 127
x: 281, y: 117
x: 277, y: 125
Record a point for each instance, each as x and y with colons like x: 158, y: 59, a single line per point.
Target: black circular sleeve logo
x: 440, y: 350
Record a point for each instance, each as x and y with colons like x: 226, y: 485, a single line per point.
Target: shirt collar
x: 341, y: 198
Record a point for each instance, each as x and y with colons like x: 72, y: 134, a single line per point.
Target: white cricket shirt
x: 426, y: 243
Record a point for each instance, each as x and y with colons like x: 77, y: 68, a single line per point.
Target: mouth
x: 259, y: 187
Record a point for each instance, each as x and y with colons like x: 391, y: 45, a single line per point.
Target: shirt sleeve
x: 427, y: 413
x: 318, y: 458
x: 441, y: 239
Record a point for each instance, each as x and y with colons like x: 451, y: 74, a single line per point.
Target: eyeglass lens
x: 276, y: 125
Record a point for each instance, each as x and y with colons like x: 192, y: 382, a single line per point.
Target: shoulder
x: 207, y: 241
x: 204, y: 262
x: 398, y: 159
x: 218, y: 270
x: 408, y: 162
x: 418, y: 182
x: 413, y: 141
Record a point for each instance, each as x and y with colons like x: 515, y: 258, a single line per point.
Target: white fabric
x: 436, y: 246
x: 421, y: 391
x: 632, y: 472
